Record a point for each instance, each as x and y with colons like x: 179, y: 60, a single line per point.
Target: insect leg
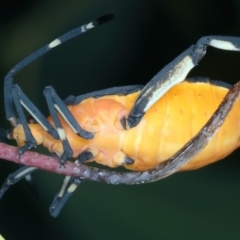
x: 52, y: 102
x: 67, y: 188
x: 16, y: 177
x: 8, y: 80
x: 175, y: 72
x: 20, y: 101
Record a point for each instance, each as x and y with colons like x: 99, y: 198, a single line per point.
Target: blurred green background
x: 144, y: 37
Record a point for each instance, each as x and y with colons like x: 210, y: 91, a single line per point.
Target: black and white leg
x: 13, y: 178
x: 175, y: 72
x: 68, y: 186
x: 21, y: 101
x: 54, y: 102
x: 8, y: 81
x: 55, y: 106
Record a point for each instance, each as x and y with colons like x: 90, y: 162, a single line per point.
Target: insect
x: 138, y: 127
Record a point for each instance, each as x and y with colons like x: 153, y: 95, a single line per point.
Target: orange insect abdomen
x: 174, y: 120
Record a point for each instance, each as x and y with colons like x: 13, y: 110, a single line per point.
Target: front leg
x: 175, y: 72
x: 21, y: 101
